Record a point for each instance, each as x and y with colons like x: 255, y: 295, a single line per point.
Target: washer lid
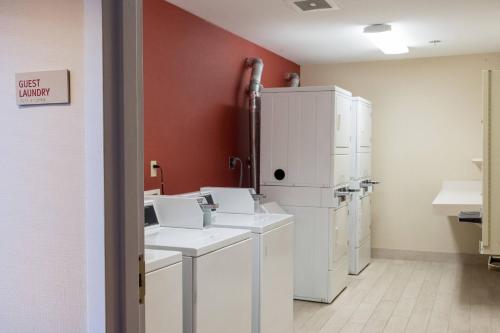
x: 157, y: 259
x: 256, y: 223
x: 193, y: 242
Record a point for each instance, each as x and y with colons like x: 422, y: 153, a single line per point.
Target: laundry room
x: 346, y: 139
x: 258, y: 166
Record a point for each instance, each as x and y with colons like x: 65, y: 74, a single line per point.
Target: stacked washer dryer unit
x: 306, y: 158
x: 360, y: 226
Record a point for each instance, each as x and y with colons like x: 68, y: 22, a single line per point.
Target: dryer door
x: 342, y: 124
x: 364, y: 127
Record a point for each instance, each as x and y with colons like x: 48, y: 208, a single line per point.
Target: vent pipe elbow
x: 257, y: 68
x: 293, y: 79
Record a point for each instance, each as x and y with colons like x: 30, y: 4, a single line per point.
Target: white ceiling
x: 464, y: 26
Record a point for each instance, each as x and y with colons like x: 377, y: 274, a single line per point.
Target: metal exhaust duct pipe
x: 293, y: 79
x: 254, y: 108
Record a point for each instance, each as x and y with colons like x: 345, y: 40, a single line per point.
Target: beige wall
x: 42, y: 178
x: 426, y: 129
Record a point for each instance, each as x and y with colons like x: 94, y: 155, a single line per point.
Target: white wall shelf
x: 457, y: 196
x: 478, y: 162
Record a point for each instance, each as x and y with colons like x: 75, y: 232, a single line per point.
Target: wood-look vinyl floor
x: 409, y: 296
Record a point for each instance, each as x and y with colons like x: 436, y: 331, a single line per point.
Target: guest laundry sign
x: 49, y: 87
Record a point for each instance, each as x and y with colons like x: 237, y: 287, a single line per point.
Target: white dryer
x: 217, y: 276
x: 163, y: 300
x: 273, y: 247
x: 361, y: 180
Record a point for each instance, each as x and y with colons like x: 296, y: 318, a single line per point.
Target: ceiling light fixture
x: 383, y: 37
x: 312, y: 6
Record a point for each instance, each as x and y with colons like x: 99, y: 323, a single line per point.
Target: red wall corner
x: 195, y: 113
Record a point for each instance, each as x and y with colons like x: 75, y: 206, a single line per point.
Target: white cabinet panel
x: 222, y: 290
x: 296, y: 138
x: 341, y: 124
x: 338, y: 278
x: 163, y: 301
x: 294, y: 196
x: 276, y: 292
x: 364, y: 255
x: 275, y: 134
x: 319, y: 233
x: 310, y: 138
x: 311, y: 252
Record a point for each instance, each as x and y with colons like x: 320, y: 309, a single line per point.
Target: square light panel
x: 312, y: 6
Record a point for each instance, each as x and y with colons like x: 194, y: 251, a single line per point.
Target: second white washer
x: 272, y: 267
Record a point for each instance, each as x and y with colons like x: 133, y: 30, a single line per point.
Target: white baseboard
x: 459, y: 258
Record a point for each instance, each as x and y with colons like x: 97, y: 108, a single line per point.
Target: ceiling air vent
x: 310, y: 6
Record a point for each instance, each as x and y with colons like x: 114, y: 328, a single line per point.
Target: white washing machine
x: 217, y: 276
x: 273, y: 246
x: 163, y: 300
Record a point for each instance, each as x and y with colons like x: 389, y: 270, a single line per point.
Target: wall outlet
x: 154, y: 172
x: 232, y: 162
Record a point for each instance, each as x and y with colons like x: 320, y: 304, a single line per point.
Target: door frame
x: 122, y: 158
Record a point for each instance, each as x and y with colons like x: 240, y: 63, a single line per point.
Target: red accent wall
x: 195, y: 113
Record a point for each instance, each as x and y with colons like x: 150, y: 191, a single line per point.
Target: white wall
x: 426, y: 129
x: 42, y: 178
x: 94, y: 152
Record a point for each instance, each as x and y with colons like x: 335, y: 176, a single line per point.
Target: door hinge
x: 142, y: 279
